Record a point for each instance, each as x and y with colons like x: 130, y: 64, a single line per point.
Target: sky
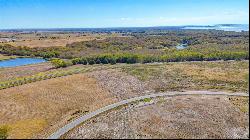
x: 120, y: 13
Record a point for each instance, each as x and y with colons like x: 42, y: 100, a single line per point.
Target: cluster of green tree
x: 36, y: 52
x: 108, y: 59
x: 176, y: 56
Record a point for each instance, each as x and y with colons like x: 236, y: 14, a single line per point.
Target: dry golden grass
x: 241, y: 102
x: 46, y: 105
x: 26, y: 128
x: 5, y: 57
x: 21, y: 71
x: 52, y: 39
x: 215, y: 73
x: 36, y: 109
x: 50, y: 42
x: 219, y: 75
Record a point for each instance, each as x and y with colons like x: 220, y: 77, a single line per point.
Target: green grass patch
x: 4, y: 132
x: 147, y: 100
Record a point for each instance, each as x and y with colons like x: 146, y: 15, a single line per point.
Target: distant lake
x: 20, y: 62
x: 236, y: 28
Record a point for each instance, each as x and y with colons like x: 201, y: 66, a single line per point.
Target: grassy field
x: 5, y: 57
x: 217, y: 75
x: 42, y: 107
x: 12, y: 77
x: 47, y: 39
x: 22, y: 71
x: 220, y: 75
x: 37, y: 102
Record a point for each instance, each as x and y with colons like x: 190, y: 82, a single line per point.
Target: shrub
x: 76, y: 61
x: 147, y: 100
x: 58, y: 63
x: 98, y: 61
x: 112, y: 61
x: 104, y: 61
x: 91, y: 62
x: 84, y: 61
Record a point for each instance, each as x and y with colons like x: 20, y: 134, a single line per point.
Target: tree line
x: 177, y: 56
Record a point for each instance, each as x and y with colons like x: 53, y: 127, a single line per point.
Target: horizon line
x: 41, y: 28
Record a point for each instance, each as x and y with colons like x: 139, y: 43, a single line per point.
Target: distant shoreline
x: 245, y: 27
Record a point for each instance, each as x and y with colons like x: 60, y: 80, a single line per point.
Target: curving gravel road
x: 78, y: 121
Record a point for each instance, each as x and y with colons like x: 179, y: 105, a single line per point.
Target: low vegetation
x: 177, y: 117
x: 6, y: 57
x: 37, y: 109
x: 220, y: 75
x: 3, y: 132
x: 147, y: 100
x: 59, y: 63
x: 45, y: 75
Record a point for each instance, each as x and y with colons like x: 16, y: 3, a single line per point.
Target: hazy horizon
x: 115, y: 27
x: 44, y: 14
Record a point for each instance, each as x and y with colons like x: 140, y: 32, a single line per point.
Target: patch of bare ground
x: 192, y: 116
x: 42, y: 107
x: 120, y: 84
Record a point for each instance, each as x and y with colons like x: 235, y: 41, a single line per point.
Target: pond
x: 20, y: 62
x: 181, y: 46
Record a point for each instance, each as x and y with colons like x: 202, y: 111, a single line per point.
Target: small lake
x: 20, y: 62
x: 181, y: 46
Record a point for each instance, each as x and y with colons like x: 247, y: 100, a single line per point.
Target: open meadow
x: 39, y: 107
x: 47, y: 39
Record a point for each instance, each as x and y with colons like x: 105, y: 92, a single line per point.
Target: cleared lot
x: 197, y: 116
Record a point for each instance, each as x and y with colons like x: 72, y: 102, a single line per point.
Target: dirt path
x: 80, y: 120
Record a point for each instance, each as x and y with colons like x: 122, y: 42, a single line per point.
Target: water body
x: 181, y: 46
x: 20, y: 62
x: 230, y: 27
